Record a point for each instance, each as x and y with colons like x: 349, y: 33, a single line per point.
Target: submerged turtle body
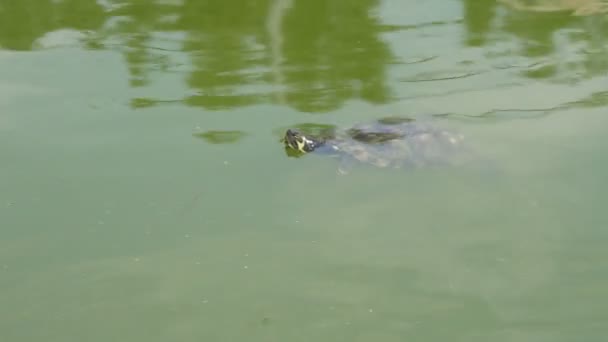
x: 388, y: 142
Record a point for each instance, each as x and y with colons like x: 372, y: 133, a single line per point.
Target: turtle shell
x: 398, y: 143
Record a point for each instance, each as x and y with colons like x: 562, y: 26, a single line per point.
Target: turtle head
x: 300, y: 142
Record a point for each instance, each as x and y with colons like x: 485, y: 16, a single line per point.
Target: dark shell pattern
x: 397, y: 145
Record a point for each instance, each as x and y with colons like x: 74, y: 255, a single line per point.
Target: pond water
x: 145, y: 196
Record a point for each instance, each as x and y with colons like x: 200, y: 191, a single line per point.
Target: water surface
x: 145, y: 195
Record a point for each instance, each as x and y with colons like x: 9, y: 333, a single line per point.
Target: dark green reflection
x: 144, y: 102
x: 24, y: 21
x: 314, y: 54
x: 221, y: 137
x: 478, y: 19
x: 333, y: 53
x: 311, y: 55
x: 543, y: 30
x: 598, y: 99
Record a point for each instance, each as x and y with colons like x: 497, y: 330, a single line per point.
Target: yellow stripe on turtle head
x: 301, y: 145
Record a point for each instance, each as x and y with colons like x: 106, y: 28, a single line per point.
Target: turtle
x: 389, y: 142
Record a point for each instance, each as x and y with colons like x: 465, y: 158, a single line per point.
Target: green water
x: 144, y: 195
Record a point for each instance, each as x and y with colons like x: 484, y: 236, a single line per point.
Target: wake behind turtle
x: 391, y: 142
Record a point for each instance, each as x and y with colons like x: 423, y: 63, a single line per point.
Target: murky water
x: 145, y: 196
